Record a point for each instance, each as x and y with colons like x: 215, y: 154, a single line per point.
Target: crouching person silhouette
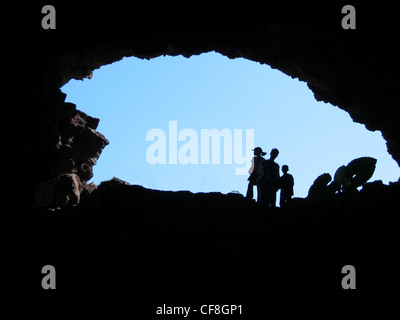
x: 286, y: 183
x: 267, y: 183
x: 255, y: 171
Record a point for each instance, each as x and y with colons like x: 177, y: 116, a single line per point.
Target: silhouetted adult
x: 286, y: 183
x: 255, y: 171
x: 267, y: 183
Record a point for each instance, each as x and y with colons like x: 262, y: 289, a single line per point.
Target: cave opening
x: 154, y: 113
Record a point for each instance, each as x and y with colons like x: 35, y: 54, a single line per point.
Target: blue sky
x: 133, y: 96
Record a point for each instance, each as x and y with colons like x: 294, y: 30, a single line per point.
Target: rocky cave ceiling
x: 355, y: 70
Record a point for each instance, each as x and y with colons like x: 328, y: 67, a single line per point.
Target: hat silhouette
x: 258, y: 150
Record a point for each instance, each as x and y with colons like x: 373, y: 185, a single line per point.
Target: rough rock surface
x: 136, y: 249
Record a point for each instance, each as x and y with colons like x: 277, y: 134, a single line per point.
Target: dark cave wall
x: 184, y: 244
x: 45, y: 137
x: 351, y: 69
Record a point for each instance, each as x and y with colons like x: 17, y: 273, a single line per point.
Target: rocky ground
x: 155, y: 247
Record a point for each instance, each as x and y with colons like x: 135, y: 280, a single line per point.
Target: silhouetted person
x: 268, y: 182
x: 255, y: 171
x: 286, y: 183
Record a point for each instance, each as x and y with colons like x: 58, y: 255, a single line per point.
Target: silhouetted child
x: 268, y: 182
x: 286, y: 183
x: 255, y: 171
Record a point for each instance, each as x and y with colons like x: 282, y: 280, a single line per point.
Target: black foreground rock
x: 143, y: 248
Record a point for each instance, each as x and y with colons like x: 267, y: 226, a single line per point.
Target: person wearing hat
x: 255, y: 171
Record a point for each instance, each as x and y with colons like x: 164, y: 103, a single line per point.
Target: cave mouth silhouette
x: 126, y: 247
x: 233, y: 91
